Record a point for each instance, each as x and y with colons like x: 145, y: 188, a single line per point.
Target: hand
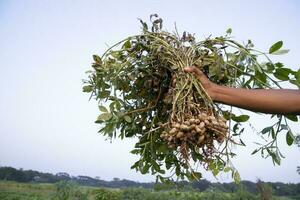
x: 275, y: 101
x: 206, y: 83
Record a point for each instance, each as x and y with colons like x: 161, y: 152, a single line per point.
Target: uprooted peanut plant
x: 143, y: 92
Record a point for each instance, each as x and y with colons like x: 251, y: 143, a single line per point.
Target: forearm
x: 275, y: 101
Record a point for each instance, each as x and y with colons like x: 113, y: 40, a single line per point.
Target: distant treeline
x: 20, y: 175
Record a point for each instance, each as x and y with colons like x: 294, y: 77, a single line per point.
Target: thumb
x: 199, y: 74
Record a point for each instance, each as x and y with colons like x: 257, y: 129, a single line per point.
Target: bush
x: 105, y: 194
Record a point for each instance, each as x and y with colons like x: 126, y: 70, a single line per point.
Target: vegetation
x: 143, y: 92
x: 69, y: 187
x: 69, y: 191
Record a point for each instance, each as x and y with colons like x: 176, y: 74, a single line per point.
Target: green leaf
x: 266, y: 130
x: 295, y: 82
x: 276, y: 159
x: 227, y: 169
x: 135, y: 165
x: 97, y: 59
x: 261, y: 76
x: 273, y: 134
x: 196, y: 175
x: 127, y: 119
x: 104, y: 94
x: 241, y: 118
x: 275, y: 47
x: 155, y: 166
x: 284, y: 127
x: 87, y: 88
x: 281, y: 52
x: 278, y: 65
x: 102, y: 109
x: 270, y: 67
x: 145, y: 26
x: 289, y: 138
x: 297, y: 75
x: 282, y: 73
x: 229, y: 31
x: 145, y: 169
x: 291, y: 117
x: 242, y: 143
x: 126, y: 45
x: 193, y: 176
x: 255, y: 151
x: 135, y: 151
x: 116, y: 54
x: 236, y: 177
x: 235, y: 128
x: 104, y: 116
x: 215, y: 172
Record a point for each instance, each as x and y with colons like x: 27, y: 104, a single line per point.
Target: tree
x: 264, y: 189
x: 297, y: 141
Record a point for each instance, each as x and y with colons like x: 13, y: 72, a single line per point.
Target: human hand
x: 206, y: 83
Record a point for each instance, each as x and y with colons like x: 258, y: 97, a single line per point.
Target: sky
x: 47, y: 123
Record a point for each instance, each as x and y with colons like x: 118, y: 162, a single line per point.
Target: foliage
x: 143, y: 92
x: 27, y: 191
x: 104, y: 194
x: 42, y: 191
x: 265, y: 190
x: 12, y: 174
x: 66, y: 190
x: 63, y: 190
x: 17, y: 196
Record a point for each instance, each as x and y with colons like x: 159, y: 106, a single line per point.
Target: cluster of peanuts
x: 201, y: 130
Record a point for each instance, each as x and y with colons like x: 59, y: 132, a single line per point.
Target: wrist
x: 215, y: 92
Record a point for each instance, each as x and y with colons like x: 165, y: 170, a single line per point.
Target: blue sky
x: 46, y: 122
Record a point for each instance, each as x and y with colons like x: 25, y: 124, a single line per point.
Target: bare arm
x: 276, y: 101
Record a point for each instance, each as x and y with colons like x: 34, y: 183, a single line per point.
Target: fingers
x: 199, y: 74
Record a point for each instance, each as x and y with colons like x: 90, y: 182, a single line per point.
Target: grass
x: 10, y: 190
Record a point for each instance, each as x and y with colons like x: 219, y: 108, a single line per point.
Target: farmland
x: 10, y: 190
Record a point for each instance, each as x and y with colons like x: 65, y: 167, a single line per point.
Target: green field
x: 68, y: 191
